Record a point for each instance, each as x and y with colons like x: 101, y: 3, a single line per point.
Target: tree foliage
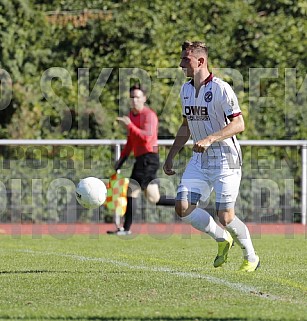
x: 96, y: 35
x: 70, y: 64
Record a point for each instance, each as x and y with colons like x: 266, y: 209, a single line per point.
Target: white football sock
x: 203, y: 221
x: 240, y: 234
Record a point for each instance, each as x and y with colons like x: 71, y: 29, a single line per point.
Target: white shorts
x: 197, y: 183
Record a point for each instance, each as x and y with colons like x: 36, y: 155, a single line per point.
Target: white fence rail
x: 302, y: 144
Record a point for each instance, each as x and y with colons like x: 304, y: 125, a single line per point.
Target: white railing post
x: 304, y: 184
x: 117, y: 156
x: 117, y: 152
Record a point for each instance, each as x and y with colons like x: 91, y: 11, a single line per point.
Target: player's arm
x: 181, y: 138
x: 149, y: 127
x: 235, y: 126
x: 119, y: 163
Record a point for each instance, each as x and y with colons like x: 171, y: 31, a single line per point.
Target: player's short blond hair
x: 195, y: 46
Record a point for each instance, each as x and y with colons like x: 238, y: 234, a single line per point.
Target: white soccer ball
x: 91, y: 192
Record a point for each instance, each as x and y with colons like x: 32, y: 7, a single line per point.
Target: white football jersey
x: 209, y: 112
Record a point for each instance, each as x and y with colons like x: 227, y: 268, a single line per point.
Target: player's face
x: 137, y: 100
x: 189, y: 63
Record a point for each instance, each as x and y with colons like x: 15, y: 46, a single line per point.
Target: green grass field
x: 149, y: 278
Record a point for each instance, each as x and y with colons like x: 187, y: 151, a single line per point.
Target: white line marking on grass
x: 232, y: 285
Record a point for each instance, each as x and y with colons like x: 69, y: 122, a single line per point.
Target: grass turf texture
x: 149, y: 278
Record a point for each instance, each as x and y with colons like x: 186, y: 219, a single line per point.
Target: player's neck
x: 136, y: 111
x: 200, y: 78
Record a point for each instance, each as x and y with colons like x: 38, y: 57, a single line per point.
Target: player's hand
x: 168, y: 168
x: 124, y: 119
x: 201, y: 146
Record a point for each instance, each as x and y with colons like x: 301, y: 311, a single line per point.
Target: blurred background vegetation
x: 38, y: 35
x: 65, y: 60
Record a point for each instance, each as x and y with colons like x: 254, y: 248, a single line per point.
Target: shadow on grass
x: 129, y: 319
x: 62, y: 271
x: 33, y: 271
x: 101, y: 318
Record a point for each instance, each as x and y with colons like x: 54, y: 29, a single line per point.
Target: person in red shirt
x: 142, y: 140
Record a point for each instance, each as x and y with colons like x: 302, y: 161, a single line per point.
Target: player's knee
x: 181, y: 208
x: 226, y: 216
x: 153, y: 198
x: 152, y: 193
x: 223, y: 221
x: 134, y: 189
x: 186, y: 202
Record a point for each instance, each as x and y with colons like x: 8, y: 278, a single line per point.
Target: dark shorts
x: 145, y: 169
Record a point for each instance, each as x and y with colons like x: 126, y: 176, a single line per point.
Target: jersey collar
x: 206, y: 81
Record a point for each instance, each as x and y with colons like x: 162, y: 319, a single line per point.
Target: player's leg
x: 136, y: 184
x: 193, y: 187
x: 203, y: 221
x: 133, y: 193
x: 148, y: 178
x: 240, y: 233
x: 223, y: 247
x: 227, y: 189
x: 152, y: 192
x: 151, y: 184
x: 153, y: 195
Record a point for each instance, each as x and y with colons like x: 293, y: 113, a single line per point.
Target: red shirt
x: 142, y: 135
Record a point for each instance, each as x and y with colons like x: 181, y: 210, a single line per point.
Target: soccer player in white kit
x: 212, y: 116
